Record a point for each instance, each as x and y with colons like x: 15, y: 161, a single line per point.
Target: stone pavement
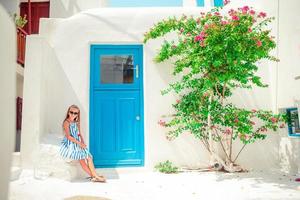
x: 144, y: 184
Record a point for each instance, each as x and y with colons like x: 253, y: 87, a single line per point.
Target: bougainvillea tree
x: 215, y: 54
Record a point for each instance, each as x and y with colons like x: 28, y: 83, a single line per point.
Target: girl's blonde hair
x: 77, y: 119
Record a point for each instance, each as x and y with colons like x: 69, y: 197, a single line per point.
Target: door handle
x: 137, y: 71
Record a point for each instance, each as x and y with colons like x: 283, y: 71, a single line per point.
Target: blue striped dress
x: 71, y: 150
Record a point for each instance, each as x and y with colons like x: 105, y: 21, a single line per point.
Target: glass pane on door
x: 116, y: 69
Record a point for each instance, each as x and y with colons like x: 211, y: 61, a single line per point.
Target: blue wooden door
x: 116, y: 105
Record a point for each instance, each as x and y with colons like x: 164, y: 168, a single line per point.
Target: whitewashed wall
x: 288, y: 89
x: 11, y: 6
x: 289, y: 54
x: 67, y: 8
x: 63, y: 65
x: 7, y: 100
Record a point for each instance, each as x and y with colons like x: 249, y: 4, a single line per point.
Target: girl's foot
x: 90, y: 177
x: 98, y: 179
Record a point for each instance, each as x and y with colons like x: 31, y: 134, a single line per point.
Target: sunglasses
x: 73, y: 113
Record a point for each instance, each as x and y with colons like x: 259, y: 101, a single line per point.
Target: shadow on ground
x: 257, y: 179
x: 108, y: 173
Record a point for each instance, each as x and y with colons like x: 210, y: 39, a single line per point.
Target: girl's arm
x: 67, y: 132
x: 81, y: 138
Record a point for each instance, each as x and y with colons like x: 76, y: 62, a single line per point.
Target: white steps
x: 15, y: 170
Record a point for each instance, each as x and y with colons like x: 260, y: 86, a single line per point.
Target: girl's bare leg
x: 85, y: 167
x: 92, y: 168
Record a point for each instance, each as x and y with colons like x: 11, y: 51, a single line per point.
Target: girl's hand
x: 82, y: 145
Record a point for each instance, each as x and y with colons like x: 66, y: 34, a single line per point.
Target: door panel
x: 116, y: 121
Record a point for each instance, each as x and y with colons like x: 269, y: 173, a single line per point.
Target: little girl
x: 73, y: 146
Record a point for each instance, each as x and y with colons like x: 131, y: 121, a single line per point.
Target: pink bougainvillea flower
x: 198, y: 20
x: 252, y: 12
x: 282, y: 126
x: 228, y: 131
x: 253, y: 110
x: 200, y: 37
x: 273, y: 119
x: 245, y: 9
x: 235, y: 18
x: 252, y: 122
x: 177, y: 101
x: 206, y: 26
x: 202, y: 33
x: 249, y: 30
x: 231, y: 12
x: 258, y: 43
x: 236, y: 120
x: 262, y: 14
x: 224, y: 22
x: 217, y: 13
x: 162, y: 123
x: 226, y: 2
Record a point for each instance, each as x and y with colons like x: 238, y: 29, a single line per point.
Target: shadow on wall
x: 55, y: 97
x: 261, y: 155
x: 59, y: 94
x: 185, y: 150
x: 116, y: 27
x: 289, y: 152
x: 64, y: 8
x: 67, y: 8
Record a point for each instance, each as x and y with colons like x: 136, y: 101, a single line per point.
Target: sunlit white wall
x: 63, y: 51
x: 7, y: 100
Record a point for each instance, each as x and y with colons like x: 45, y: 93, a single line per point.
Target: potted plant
x: 19, y: 20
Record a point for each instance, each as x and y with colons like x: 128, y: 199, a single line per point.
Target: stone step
x: 16, y: 159
x: 15, y: 173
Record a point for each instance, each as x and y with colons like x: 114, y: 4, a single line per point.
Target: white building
x: 62, y: 67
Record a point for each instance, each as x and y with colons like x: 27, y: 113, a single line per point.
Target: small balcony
x: 21, y: 45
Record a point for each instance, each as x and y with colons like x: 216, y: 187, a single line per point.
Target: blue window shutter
x: 200, y: 3
x: 218, y: 3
